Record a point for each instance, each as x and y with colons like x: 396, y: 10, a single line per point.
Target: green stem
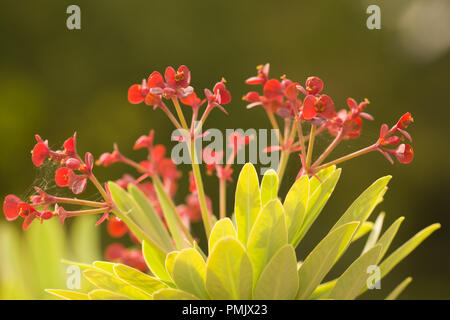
x: 301, y: 138
x: 86, y: 212
x: 330, y: 148
x: 180, y: 114
x: 80, y: 202
x: 310, y: 147
x: 99, y: 187
x: 223, y: 197
x: 347, y: 157
x: 200, y: 191
x: 274, y: 123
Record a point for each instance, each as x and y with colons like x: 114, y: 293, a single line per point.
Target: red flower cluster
x: 403, y: 152
x: 130, y: 257
x: 13, y: 207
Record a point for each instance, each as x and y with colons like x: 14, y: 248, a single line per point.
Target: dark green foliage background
x: 54, y: 81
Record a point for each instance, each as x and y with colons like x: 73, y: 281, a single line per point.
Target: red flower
x: 405, y: 121
x: 167, y: 169
x: 193, y: 101
x: 114, y: 252
x: 263, y: 75
x: 70, y: 145
x: 181, y: 78
x: 236, y: 140
x: 314, y: 85
x: 144, y: 141
x: 107, y: 158
x: 138, y: 92
x: 219, y: 96
x: 273, y: 90
x: 77, y: 183
x: 404, y: 153
x: 62, y: 176
x: 314, y: 105
x: 116, y: 227
x: 40, y: 153
x: 11, y: 207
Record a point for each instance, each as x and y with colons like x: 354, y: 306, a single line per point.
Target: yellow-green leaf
x: 268, y: 235
x: 316, y: 202
x: 374, y: 234
x: 223, y: 228
x: 399, y: 289
x: 363, y: 206
x: 279, y: 279
x: 363, y: 230
x: 269, y: 186
x: 295, y: 205
x: 189, y: 272
x: 138, y: 279
x: 109, y: 282
x: 104, y: 266
x: 102, y: 294
x: 68, y: 294
x: 387, y: 237
x: 173, y: 294
x: 170, y: 262
x: 320, y: 261
x: 247, y: 203
x: 156, y: 260
x: 351, y: 282
x: 156, y: 225
x: 229, y: 271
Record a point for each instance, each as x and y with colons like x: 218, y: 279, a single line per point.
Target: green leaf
x: 156, y: 225
x: 351, y: 282
x: 316, y: 202
x: 399, y: 289
x: 279, y: 279
x: 322, y: 175
x: 387, y: 237
x: 373, y: 236
x: 323, y: 290
x: 269, y: 187
x: 173, y: 294
x: 170, y: 213
x: 109, y: 282
x: 170, y: 262
x: 189, y: 272
x: 104, y: 266
x: 268, y: 235
x: 138, y: 279
x: 229, y: 271
x: 363, y: 230
x: 363, y: 206
x: 156, y: 260
x: 102, y: 294
x: 322, y: 258
x: 223, y: 228
x: 247, y: 203
x: 398, y: 255
x: 125, y: 208
x: 68, y: 295
x: 295, y: 205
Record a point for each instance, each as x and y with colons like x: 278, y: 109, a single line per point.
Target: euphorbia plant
x: 250, y: 252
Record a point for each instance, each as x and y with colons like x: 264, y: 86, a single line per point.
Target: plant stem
x: 274, y: 123
x: 310, y: 147
x: 200, y: 190
x: 80, y: 202
x: 223, y: 197
x: 99, y: 187
x: 86, y: 212
x: 170, y: 115
x: 301, y: 138
x: 347, y: 157
x: 330, y: 148
x: 284, y: 158
x: 180, y: 113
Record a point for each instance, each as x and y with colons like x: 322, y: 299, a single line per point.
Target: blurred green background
x: 54, y: 81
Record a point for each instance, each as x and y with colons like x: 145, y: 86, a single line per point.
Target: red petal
x: 114, y: 251
x: 186, y: 76
x: 62, y: 176
x: 69, y: 145
x: 10, y: 206
x: 155, y: 80
x: 224, y: 96
x: 134, y: 94
x: 40, y: 153
x: 352, y: 104
x: 255, y: 80
x: 273, y: 90
x: 314, y: 85
x: 152, y: 99
x: 116, y: 227
x: 309, y: 111
x: 328, y: 112
x: 27, y: 222
x: 169, y: 75
x: 292, y: 91
x: 77, y: 183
